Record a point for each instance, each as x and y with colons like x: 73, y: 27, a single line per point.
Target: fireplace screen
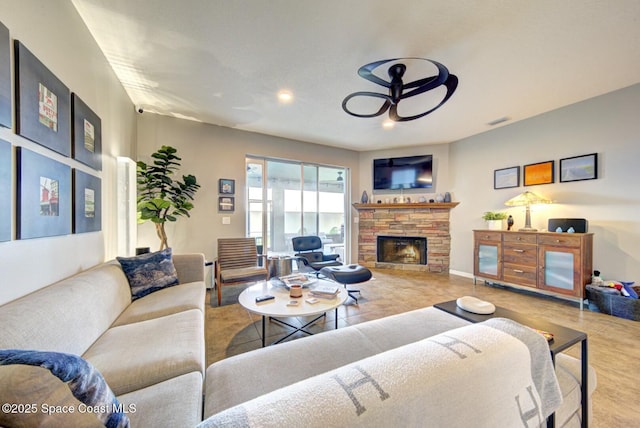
x: 402, y: 249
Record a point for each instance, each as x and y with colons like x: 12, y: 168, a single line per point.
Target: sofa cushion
x: 568, y: 370
x: 165, y: 302
x: 86, y: 389
x: 190, y: 267
x: 134, y: 356
x: 176, y: 402
x: 149, y: 272
x: 67, y: 316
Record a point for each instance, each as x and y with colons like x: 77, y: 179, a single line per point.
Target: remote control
x: 264, y: 298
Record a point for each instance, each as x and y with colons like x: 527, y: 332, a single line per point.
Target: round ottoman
x: 348, y: 274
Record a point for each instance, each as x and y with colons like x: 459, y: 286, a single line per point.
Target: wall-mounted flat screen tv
x: 410, y: 172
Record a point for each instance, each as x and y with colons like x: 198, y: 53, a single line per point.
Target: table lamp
x: 527, y: 199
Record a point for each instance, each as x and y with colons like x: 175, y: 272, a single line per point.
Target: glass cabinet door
x: 558, y: 270
x: 488, y: 260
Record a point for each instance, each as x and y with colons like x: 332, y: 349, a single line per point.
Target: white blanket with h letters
x: 495, y: 373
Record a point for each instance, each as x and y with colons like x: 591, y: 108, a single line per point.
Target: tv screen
x: 410, y: 172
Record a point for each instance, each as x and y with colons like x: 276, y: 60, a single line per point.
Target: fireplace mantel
x: 423, y: 219
x: 415, y: 205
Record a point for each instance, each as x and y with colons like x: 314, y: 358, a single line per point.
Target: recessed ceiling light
x: 388, y: 124
x: 285, y: 96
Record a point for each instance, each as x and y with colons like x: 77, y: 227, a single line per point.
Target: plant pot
x: 494, y: 224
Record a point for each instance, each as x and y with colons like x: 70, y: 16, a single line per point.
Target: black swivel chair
x: 309, y: 255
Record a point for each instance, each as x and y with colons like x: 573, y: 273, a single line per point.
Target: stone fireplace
x: 407, y: 222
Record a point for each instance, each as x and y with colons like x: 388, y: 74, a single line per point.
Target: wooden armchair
x: 237, y: 263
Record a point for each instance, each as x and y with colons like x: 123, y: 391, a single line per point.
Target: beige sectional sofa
x: 151, y: 354
x: 150, y: 351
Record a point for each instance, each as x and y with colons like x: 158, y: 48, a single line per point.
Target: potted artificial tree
x: 494, y: 219
x: 160, y: 197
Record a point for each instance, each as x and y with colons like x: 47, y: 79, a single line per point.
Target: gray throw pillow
x: 149, y: 272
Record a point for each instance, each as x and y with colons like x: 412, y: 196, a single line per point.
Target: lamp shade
x: 525, y: 199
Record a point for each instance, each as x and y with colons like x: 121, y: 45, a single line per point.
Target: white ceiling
x: 223, y: 61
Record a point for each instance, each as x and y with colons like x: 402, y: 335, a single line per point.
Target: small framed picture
x: 227, y: 186
x: 226, y: 203
x: 579, y: 168
x: 86, y: 134
x: 506, y: 177
x: 538, y: 173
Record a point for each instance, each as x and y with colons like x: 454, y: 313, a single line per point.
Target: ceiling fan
x: 398, y: 90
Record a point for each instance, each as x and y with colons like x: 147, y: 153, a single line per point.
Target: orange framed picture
x: 538, y: 173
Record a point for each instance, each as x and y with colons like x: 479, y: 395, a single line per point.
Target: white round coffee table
x: 277, y: 307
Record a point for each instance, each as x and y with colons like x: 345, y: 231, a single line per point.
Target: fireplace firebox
x: 402, y: 249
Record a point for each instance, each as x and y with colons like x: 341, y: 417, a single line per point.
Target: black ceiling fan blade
x: 385, y: 105
x: 429, y: 82
x: 451, y: 84
x: 366, y: 72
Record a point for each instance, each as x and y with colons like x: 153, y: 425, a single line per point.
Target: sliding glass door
x: 288, y: 199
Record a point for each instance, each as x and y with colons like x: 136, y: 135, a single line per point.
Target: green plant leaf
x: 161, y: 198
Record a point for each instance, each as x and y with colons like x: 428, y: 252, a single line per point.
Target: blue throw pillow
x: 85, y: 382
x: 149, y: 272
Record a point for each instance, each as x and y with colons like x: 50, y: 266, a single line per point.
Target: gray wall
x: 54, y: 32
x: 212, y: 152
x: 607, y: 125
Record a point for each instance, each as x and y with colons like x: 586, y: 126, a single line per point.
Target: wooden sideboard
x: 557, y: 263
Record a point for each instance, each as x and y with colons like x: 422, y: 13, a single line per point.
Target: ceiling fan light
x: 285, y: 96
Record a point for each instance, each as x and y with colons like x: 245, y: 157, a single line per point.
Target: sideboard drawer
x: 522, y: 238
x: 520, y: 254
x: 519, y: 274
x: 487, y: 235
x: 564, y: 239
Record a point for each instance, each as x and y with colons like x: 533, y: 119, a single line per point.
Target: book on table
x: 297, y: 278
x: 326, y: 291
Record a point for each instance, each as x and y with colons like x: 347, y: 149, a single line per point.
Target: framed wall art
x: 43, y: 196
x: 87, y: 202
x: 86, y: 134
x: 226, y: 186
x: 226, y: 203
x: 5, y: 191
x: 506, y: 178
x: 5, y: 77
x: 579, y: 168
x: 538, y: 173
x: 42, y: 103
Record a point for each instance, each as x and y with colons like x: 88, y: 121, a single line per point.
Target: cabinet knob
x: 518, y: 239
x: 557, y: 240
